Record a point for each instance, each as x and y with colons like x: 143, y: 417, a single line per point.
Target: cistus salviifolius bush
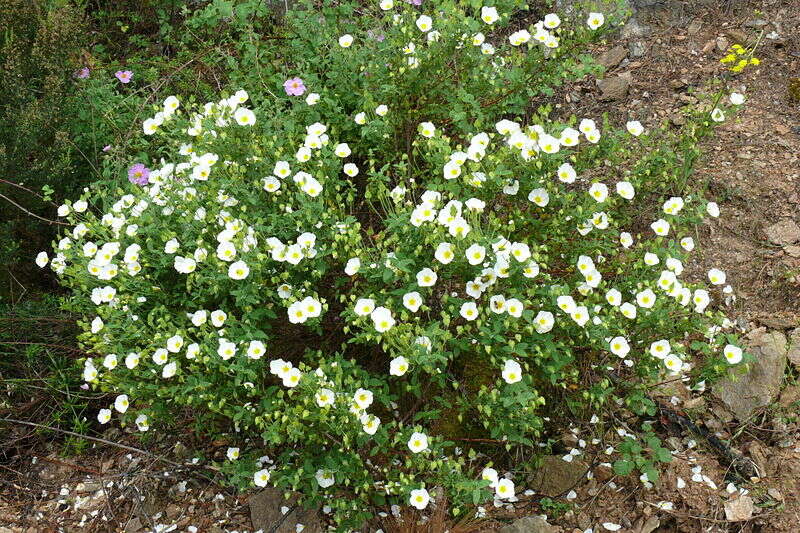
x: 389, y: 255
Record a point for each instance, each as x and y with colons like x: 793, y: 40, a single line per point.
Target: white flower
x: 733, y: 354
x: 171, y: 246
x: 398, y: 366
x: 312, y: 98
x: 363, y: 398
x: 712, y: 209
x: 626, y: 190
x: 717, y: 115
x: 489, y: 15
x: 382, y: 319
x: 660, y: 349
x: 424, y: 23
x: 628, y: 310
x: 360, y: 118
x: 345, y: 40
x: 218, y: 318
x: 512, y: 371
x: 418, y: 442
x: 342, y: 150
x: 737, y: 98
x: 42, y: 259
x: 646, y: 298
x: 419, y: 498
x: 469, y: 311
x: 324, y: 478
x: 142, y: 423
x: 370, y: 424
x: 352, y: 266
x: 514, y: 307
x: 244, y: 117
x: 297, y: 313
x: 381, y: 110
x: 261, y: 478
x: 232, y: 454
x: 386, y: 5
x: 292, y: 378
x: 121, y: 403
x: 238, y: 270
x: 673, y: 363
x: 325, y: 397
x: 634, y: 127
x: 716, y: 276
x: 175, y: 343
x: 63, y: 210
x: 427, y: 129
x: 475, y: 254
x: 426, y: 277
x: 412, y: 301
x: 104, y: 416
x: 226, y: 349
x: 595, y: 20
x: 97, y: 324
x: 566, y: 173
x: 619, y: 346
x: 660, y: 227
x: 255, y: 349
x: 551, y: 21
x: 350, y: 169
x: 651, y: 259
x: 625, y: 239
x: 687, y: 243
x: 539, y: 197
x: 599, y: 191
x: 364, y: 306
x: 169, y: 370
x: 504, y: 489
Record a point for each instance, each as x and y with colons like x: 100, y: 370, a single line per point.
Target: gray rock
x: 613, y: 57
x: 637, y: 48
x: 784, y: 232
x: 744, y: 393
x: 530, y: 524
x: 634, y: 30
x: 740, y: 509
x: 557, y: 476
x: 794, y: 347
x: 755, y: 23
x: 616, y: 87
x: 266, y: 513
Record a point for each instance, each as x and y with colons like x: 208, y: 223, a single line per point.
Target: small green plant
x: 554, y: 508
x: 641, y: 453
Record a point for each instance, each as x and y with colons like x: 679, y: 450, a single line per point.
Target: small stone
x: 740, y: 509
x: 615, y: 88
x: 613, y: 57
x: 637, y: 48
x: 792, y: 251
x: 775, y: 494
x: 133, y: 525
x: 557, y: 476
x: 722, y: 44
x: 633, y: 29
x: 789, y: 396
x: 756, y: 23
x: 530, y: 524
x: 694, y: 27
x: 783, y: 232
x: 794, y: 347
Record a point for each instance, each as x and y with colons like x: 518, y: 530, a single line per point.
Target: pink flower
x: 294, y: 87
x: 124, y: 76
x: 82, y: 73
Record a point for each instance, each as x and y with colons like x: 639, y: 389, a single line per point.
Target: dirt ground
x: 753, y: 166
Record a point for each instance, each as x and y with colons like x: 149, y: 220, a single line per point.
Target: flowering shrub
x: 360, y: 276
